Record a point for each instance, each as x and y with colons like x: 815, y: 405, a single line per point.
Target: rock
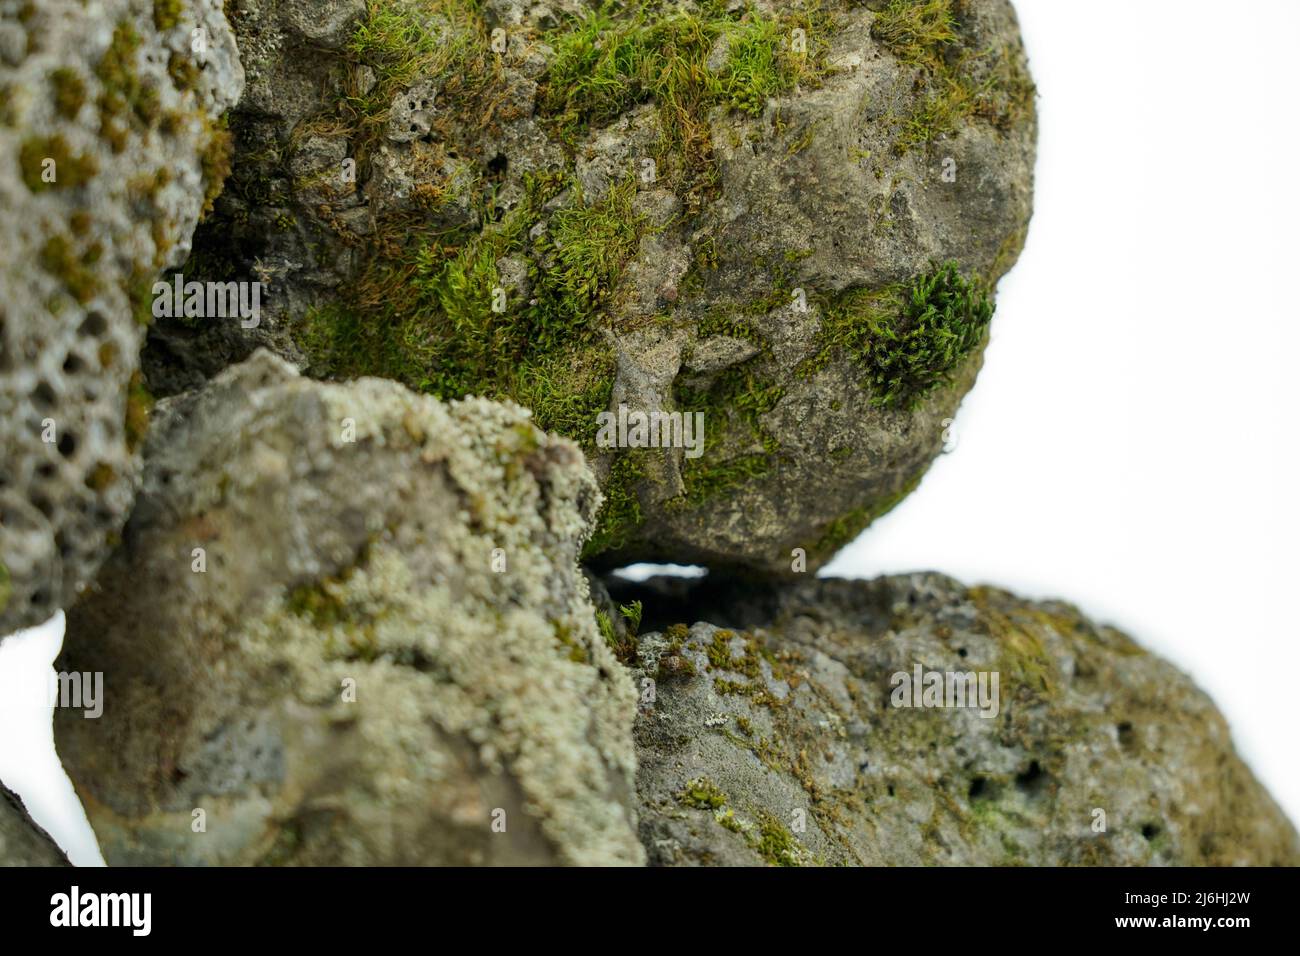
x: 840, y: 191
x: 783, y: 716
x: 112, y: 146
x: 364, y: 640
x: 22, y: 842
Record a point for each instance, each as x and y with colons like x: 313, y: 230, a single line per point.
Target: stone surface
x: 705, y: 248
x: 389, y: 649
x: 783, y: 713
x: 22, y: 842
x: 110, y: 146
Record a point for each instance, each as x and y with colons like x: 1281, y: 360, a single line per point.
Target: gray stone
x: 109, y: 134
x: 22, y: 842
x: 773, y: 736
x: 427, y: 562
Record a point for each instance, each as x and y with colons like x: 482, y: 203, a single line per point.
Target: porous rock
x: 777, y: 175
x: 773, y: 736
x: 110, y: 147
x: 22, y: 842
x: 346, y: 626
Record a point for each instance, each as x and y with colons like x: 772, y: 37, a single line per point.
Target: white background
x: 1130, y: 444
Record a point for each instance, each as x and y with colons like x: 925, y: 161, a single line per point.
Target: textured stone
x: 22, y: 842
x: 429, y: 565
x: 110, y: 144
x: 889, y: 155
x: 785, y: 710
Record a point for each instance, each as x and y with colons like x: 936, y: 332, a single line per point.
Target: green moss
x: 775, y: 843
x: 6, y: 586
x: 183, y: 71
x: 76, y: 269
x: 166, y: 13
x: 733, y: 403
x: 702, y: 794
x: 215, y: 162
x: 69, y: 92
x: 908, y: 339
x: 606, y: 62
x: 139, y: 405
x: 71, y: 170
x: 401, y: 43
x: 624, y: 647
x: 124, y: 99
x: 961, y: 80
x: 1023, y: 658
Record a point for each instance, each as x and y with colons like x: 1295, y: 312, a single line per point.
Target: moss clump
x: 76, y: 270
x: 623, y: 646
x: 402, y: 43
x: 166, y: 13
x: 71, y: 170
x: 215, y: 162
x: 702, y: 794
x: 69, y: 92
x: 908, y: 339
x: 775, y: 843
x: 606, y: 63
x: 6, y: 586
x: 962, y: 80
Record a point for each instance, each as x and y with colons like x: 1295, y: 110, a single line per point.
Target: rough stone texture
x: 817, y: 192
x: 331, y: 561
x: 108, y: 145
x: 790, y: 710
x: 22, y: 842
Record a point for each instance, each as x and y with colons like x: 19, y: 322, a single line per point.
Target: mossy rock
x: 788, y: 218
x: 797, y: 741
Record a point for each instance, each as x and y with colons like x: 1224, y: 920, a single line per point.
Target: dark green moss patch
x: 907, y: 339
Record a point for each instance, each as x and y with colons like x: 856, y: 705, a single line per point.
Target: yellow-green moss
x: 183, y: 71
x: 69, y: 92
x: 702, y: 794
x: 124, y: 100
x: 960, y: 79
x: 139, y: 404
x: 71, y: 169
x: 166, y: 13
x: 215, y: 162
x: 76, y: 269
